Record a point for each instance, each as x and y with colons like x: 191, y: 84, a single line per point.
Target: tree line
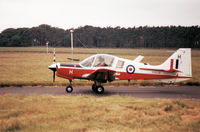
x: 115, y: 37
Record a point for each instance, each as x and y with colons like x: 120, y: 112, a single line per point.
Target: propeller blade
x: 54, y: 75
x: 54, y: 56
x: 74, y: 59
x: 53, y: 66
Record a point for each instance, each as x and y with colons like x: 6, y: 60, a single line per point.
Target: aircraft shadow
x: 90, y: 92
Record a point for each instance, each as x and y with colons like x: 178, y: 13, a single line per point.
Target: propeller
x: 53, y: 66
x: 54, y: 75
x: 54, y: 56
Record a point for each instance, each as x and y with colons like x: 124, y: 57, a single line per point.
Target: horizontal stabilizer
x: 165, y: 70
x: 150, y: 69
x: 139, y: 58
x: 73, y: 59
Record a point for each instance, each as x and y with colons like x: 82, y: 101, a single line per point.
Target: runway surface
x: 171, y: 92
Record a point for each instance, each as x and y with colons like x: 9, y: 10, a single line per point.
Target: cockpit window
x: 88, y: 62
x: 120, y: 64
x: 103, y: 61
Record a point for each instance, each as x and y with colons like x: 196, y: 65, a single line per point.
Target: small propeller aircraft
x: 102, y: 68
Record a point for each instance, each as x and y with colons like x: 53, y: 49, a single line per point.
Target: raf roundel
x: 130, y: 69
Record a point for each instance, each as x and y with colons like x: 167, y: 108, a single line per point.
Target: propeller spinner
x: 53, y: 68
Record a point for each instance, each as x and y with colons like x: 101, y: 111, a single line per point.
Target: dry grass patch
x: 89, y: 113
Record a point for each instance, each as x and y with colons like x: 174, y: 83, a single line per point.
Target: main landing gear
x: 98, y: 88
x: 69, y: 88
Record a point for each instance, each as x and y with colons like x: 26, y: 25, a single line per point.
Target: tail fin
x: 180, y: 62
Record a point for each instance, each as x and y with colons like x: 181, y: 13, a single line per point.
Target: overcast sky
x: 103, y: 13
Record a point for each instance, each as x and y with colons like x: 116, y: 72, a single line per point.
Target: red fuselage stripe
x: 171, y: 66
x: 70, y: 73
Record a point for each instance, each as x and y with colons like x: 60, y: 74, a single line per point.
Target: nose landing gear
x: 69, y: 88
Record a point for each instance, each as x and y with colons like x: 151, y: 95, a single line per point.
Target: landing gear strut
x: 94, y: 87
x: 98, y: 88
x: 69, y: 88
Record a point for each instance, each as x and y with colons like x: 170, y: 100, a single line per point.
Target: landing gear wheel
x: 69, y: 89
x: 99, y: 89
x: 94, y: 87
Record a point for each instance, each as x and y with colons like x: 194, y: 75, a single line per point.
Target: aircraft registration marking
x: 70, y: 71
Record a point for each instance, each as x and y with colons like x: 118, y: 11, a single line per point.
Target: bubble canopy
x: 99, y: 60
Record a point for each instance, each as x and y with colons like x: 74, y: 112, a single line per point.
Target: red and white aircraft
x: 102, y: 68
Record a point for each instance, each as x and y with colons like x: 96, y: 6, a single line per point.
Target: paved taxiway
x: 175, y: 92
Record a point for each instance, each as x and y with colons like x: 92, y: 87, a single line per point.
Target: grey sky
x: 74, y: 13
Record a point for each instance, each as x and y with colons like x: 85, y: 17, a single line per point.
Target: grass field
x: 88, y: 113
x: 29, y: 65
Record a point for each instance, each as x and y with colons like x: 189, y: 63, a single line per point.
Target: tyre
x: 69, y: 89
x: 99, y: 89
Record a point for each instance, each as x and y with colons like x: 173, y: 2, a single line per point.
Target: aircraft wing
x: 101, y: 74
x: 104, y: 70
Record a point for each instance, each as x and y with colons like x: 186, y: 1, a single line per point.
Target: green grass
x: 89, y: 50
x: 88, y: 113
x: 118, y: 51
x: 22, y: 66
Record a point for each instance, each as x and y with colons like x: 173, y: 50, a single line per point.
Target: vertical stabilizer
x: 180, y: 62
